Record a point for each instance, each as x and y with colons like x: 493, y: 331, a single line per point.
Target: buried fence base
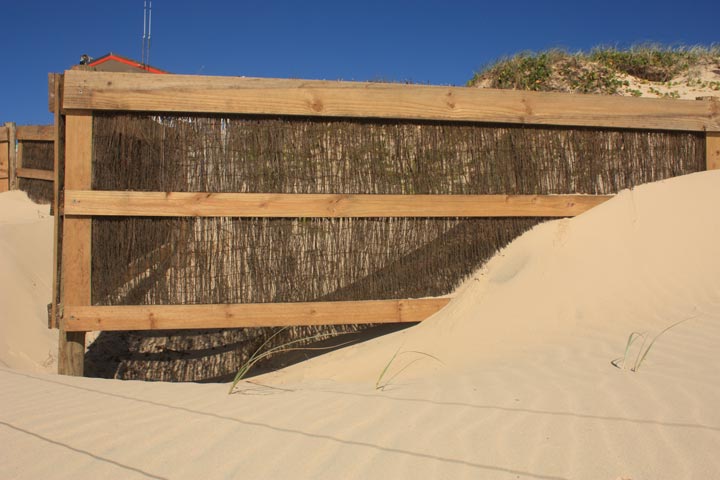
x: 71, y: 352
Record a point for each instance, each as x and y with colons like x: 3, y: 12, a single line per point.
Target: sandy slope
x: 525, y: 388
x: 26, y: 231
x: 700, y: 81
x: 642, y: 261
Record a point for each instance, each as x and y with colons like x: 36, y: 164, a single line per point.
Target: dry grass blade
x: 639, y: 360
x: 260, y: 353
x: 384, y: 370
x: 631, y: 339
x: 378, y: 383
x: 642, y: 351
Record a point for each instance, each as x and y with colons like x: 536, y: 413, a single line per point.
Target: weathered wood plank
x: 182, y: 204
x: 55, y: 85
x: 36, y: 173
x: 234, y: 95
x: 712, y: 150
x: 3, y: 134
x: 162, y: 317
x: 37, y: 133
x: 18, y: 163
x: 77, y: 240
x: 52, y: 92
x: 12, y: 156
x: 4, y: 152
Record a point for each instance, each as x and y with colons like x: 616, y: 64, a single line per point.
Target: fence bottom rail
x: 177, y: 317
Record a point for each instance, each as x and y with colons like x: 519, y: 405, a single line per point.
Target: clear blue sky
x: 437, y: 42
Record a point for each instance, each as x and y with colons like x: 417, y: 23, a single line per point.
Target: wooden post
x: 56, y: 83
x: 712, y: 150
x: 712, y: 139
x: 4, y: 152
x: 18, y: 161
x: 12, y: 156
x: 76, y: 256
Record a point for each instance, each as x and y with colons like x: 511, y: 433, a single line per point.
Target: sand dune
x: 642, y: 261
x: 522, y: 386
x: 26, y: 251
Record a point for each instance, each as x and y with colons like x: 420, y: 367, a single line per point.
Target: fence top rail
x: 3, y: 134
x: 259, y: 96
x: 41, y: 133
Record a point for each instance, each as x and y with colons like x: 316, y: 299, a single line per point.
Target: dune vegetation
x: 644, y: 70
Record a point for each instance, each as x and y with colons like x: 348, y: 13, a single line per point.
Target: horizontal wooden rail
x: 174, y: 317
x: 181, y: 204
x: 233, y: 95
x: 35, y: 173
x: 40, y: 133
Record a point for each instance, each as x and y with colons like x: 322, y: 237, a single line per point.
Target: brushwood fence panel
x: 27, y: 160
x: 196, y: 202
x: 35, y: 162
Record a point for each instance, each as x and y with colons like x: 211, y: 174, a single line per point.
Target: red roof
x: 120, y: 59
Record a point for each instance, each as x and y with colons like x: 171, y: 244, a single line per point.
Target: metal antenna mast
x: 147, y: 55
x: 147, y: 32
x: 144, y: 35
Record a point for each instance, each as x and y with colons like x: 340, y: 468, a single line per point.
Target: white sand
x: 26, y: 252
x: 525, y: 388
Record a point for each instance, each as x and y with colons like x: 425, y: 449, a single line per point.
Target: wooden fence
x: 13, y: 140
x: 79, y: 94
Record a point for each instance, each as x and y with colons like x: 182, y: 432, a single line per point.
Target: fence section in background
x: 35, y: 162
x: 27, y: 160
